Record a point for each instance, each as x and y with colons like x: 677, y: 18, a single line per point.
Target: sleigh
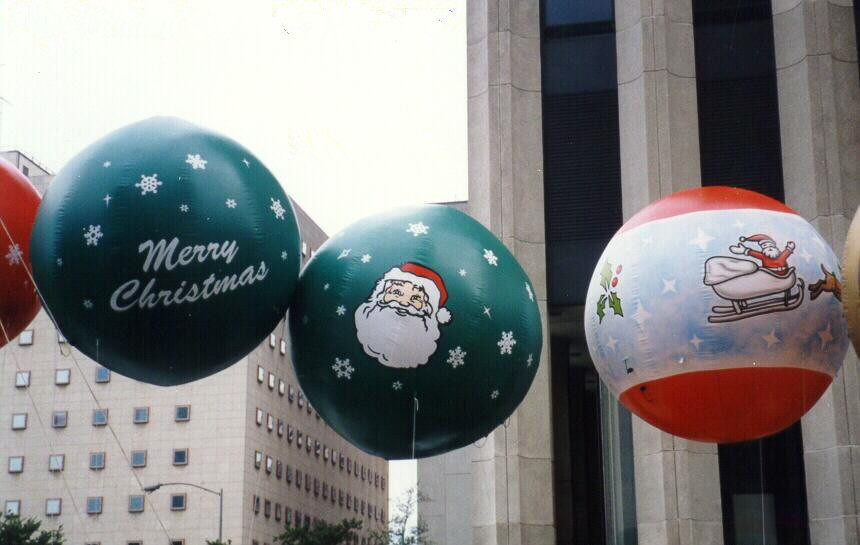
x: 752, y: 290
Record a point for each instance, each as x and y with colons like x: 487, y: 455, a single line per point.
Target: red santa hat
x: 761, y: 239
x: 428, y: 279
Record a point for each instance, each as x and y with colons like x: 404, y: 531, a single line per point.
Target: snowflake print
x: 344, y: 253
x: 341, y: 310
x: 277, y: 208
x: 183, y: 208
x: 418, y: 229
x: 106, y: 164
x: 506, y: 345
x: 231, y: 203
x: 342, y: 368
x: 93, y: 234
x: 247, y: 163
x: 462, y: 272
x: 491, y: 257
x: 529, y: 361
x: 456, y: 357
x: 366, y: 258
x: 88, y: 304
x: 529, y: 292
x: 59, y: 262
x: 494, y: 394
x: 148, y: 184
x: 196, y: 161
x: 15, y: 254
x: 397, y: 385
x: 284, y: 255
x: 325, y: 287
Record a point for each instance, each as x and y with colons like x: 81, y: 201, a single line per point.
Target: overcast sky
x: 356, y: 105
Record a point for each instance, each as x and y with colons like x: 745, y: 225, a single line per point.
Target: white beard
x: 394, y: 336
x: 771, y: 252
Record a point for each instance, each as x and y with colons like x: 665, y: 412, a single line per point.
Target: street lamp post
x: 220, y: 494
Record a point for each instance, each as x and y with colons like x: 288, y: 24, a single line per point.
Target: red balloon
x: 19, y: 202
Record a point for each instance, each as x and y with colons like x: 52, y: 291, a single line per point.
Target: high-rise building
x: 580, y: 113
x: 81, y: 444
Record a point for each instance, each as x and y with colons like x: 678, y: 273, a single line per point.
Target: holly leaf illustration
x: 606, y: 275
x: 601, y: 308
x: 615, y: 303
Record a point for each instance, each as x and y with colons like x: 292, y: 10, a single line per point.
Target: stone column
x: 819, y: 115
x: 512, y: 470
x: 677, y: 481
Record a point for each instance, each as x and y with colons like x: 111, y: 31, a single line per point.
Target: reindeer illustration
x: 829, y: 284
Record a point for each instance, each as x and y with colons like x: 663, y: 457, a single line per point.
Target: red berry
x: 618, y: 269
x: 614, y: 282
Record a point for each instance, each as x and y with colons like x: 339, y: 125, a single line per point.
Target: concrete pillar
x: 445, y: 484
x: 512, y: 470
x: 677, y: 481
x: 819, y: 115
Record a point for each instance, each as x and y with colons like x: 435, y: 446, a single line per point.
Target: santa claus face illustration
x: 399, y: 323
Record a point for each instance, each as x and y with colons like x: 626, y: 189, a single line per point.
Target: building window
x: 180, y: 456
x: 22, y: 379
x: 301, y: 402
x: 138, y: 458
x: 289, y: 473
x: 261, y: 374
x: 288, y: 515
x: 282, y: 387
x: 259, y: 416
x: 25, y: 338
x: 141, y: 415
x: 13, y: 507
x: 258, y: 459
x: 279, y: 469
x: 291, y: 434
x: 134, y: 543
x: 62, y: 377
x: 135, y: 504
x: 269, y: 464
x: 56, y: 462
x: 97, y: 460
x: 267, y: 508
x: 100, y: 417
x: 325, y: 491
x: 53, y: 507
x: 272, y: 340
x: 94, y: 505
x: 340, y: 461
x: 177, y: 502
x: 271, y: 381
x: 308, y: 445
x: 316, y: 486
x: 16, y: 464
x: 270, y: 422
x: 19, y: 421
x: 348, y: 465
x: 177, y: 542
x: 25, y: 170
x: 291, y: 393
x: 299, y: 439
x: 382, y: 483
x: 325, y: 453
x: 298, y: 478
x: 277, y: 511
x: 61, y: 339
x: 376, y: 479
x: 283, y: 347
x: 362, y: 473
x: 307, y: 482
x: 256, y: 504
x: 182, y: 413
x: 60, y: 419
x: 102, y: 374
x: 280, y: 428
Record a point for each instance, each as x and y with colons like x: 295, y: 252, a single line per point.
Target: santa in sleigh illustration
x: 753, y: 289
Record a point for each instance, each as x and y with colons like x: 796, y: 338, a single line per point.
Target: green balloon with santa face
x: 415, y: 332
x: 165, y: 251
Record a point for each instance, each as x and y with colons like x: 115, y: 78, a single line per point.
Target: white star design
x: 366, y: 258
x: 611, y: 343
x: 487, y: 312
x: 284, y: 255
x: 494, y: 394
x: 696, y: 341
x: 88, y: 304
x: 771, y: 338
x: 641, y: 315
x: 196, y: 161
x: 341, y: 310
x: 702, y: 239
x: 325, y: 287
x: 739, y: 224
x: 805, y: 255
x: 462, y: 272
x: 491, y: 258
x: 59, y: 262
x: 344, y: 253
x: 825, y: 336
x: 247, y: 163
x: 669, y: 285
x: 418, y: 229
x: 106, y: 164
x: 397, y: 385
x: 231, y: 203
x: 107, y: 200
x: 183, y: 208
x: 529, y: 360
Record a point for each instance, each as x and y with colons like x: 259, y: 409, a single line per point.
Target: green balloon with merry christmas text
x: 415, y: 332
x: 165, y: 252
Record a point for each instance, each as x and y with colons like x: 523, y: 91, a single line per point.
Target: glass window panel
x: 53, y: 507
x: 135, y: 503
x: 22, y: 379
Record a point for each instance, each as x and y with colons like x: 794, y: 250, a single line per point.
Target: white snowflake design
x: 456, y: 357
x: 284, y: 255
x: 183, y: 208
x: 366, y: 258
x: 341, y: 310
x: 15, y: 254
x: 93, y: 234
x: 529, y: 292
x: 106, y: 164
x: 418, y: 229
x: 344, y: 253
x: 462, y: 272
x: 529, y: 361
x: 491, y: 257
x: 494, y: 394
x: 196, y: 161
x: 247, y: 163
x: 231, y: 203
x: 397, y: 385
x: 148, y: 184
x: 88, y: 304
x: 59, y: 262
x: 342, y: 368
x: 506, y: 345
x: 325, y: 287
x: 278, y: 208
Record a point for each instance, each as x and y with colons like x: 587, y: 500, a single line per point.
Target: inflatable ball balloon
x: 165, y: 252
x: 714, y: 314
x: 415, y: 332
x: 19, y: 202
x: 851, y: 269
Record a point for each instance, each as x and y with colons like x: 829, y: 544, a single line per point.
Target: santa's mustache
x: 405, y: 310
